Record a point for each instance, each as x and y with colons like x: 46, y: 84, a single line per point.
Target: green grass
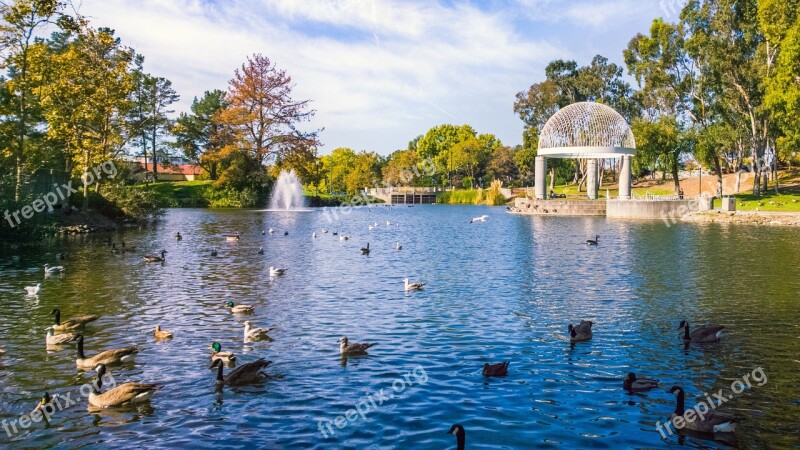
x: 768, y: 202
x: 458, y: 197
x: 178, y: 193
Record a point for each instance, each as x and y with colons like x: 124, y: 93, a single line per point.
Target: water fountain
x: 287, y: 194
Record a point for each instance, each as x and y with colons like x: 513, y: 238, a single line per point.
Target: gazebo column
x: 540, y: 177
x: 625, y: 178
x: 591, y: 178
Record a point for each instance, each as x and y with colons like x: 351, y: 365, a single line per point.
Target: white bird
x: 413, y: 286
x: 375, y: 224
x: 254, y: 333
x: 324, y: 230
x: 479, y: 219
x: 343, y: 238
x: 314, y: 235
x: 52, y: 270
x: 33, y: 290
x: 57, y: 339
x: 398, y: 246
x: 276, y: 271
x: 271, y: 231
x: 371, y: 228
x: 388, y: 222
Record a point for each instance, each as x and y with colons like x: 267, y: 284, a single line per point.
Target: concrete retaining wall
x: 652, y: 209
x: 556, y: 207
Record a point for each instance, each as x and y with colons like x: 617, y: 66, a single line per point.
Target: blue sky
x: 380, y: 72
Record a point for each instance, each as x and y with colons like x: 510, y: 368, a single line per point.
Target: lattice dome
x: 586, y: 130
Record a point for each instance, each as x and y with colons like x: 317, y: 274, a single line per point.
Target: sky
x: 379, y: 72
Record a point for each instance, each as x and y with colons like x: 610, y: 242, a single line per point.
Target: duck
x: 226, y: 357
x: 271, y: 231
x: 154, y: 258
x: 285, y: 233
x: 263, y: 232
x: 249, y: 373
x: 413, y: 286
x: 33, y: 290
x: 162, y: 334
x: 356, y: 349
x: 701, y: 334
x: 115, y: 356
x: 213, y: 252
x: 398, y: 246
x: 496, y: 370
x: 232, y: 237
x: 365, y: 250
x: 255, y: 334
x: 58, y: 339
x: 479, y: 219
x: 239, y: 309
x: 335, y: 233
x: 44, y: 402
x: 714, y: 421
x: 276, y: 271
x: 632, y: 383
x: 458, y: 431
x: 593, y: 241
x: 582, y: 332
x: 52, y: 270
x: 124, y: 394
x: 71, y: 324
x: 178, y: 236
x: 260, y: 250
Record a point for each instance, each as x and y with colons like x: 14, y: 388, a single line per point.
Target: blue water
x: 500, y: 290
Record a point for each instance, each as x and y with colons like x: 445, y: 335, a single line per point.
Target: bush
x: 467, y: 182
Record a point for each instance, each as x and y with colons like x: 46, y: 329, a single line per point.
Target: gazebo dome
x: 586, y: 130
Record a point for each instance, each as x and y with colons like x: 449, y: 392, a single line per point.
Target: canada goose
x: 107, y: 357
x: 217, y: 353
x: 123, y: 394
x: 52, y: 270
x: 162, y: 334
x: 255, y: 334
x: 260, y: 250
x: 271, y: 231
x: 33, y: 290
x: 479, y: 219
x: 232, y: 237
x: 114, y: 249
x: 127, y: 249
x: 398, y: 246
x: 631, y: 383
x: 276, y: 271
x: 412, y: 286
x: 244, y: 309
x: 593, y: 241
x: 245, y: 374
x: 178, y: 236
x: 71, y: 324
x: 496, y: 370
x: 458, y: 431
x: 713, y: 421
x: 153, y: 258
x: 582, y: 332
x: 353, y: 349
x: 213, y: 252
x: 701, y: 334
x: 57, y: 339
x: 365, y: 250
x: 43, y: 403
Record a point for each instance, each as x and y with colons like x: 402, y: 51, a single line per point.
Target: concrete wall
x: 559, y: 207
x: 651, y: 209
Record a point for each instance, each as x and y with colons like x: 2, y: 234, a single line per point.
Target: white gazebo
x: 586, y: 130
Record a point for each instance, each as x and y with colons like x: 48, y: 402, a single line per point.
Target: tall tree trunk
x: 85, y: 185
x: 718, y: 168
x: 675, y: 181
x: 155, y: 158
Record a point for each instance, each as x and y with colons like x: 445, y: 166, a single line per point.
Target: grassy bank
x: 471, y: 197
x: 176, y: 194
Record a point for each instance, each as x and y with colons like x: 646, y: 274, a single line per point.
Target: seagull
x: 479, y: 219
x: 260, y: 250
x: 33, y: 290
x: 271, y: 231
x: 365, y: 250
x: 388, y: 222
x: 314, y: 235
x: 254, y: 333
x: 343, y: 238
x: 52, y: 270
x: 398, y: 246
x: 353, y: 349
x: 371, y: 228
x: 276, y: 271
x: 413, y: 286
x: 324, y: 230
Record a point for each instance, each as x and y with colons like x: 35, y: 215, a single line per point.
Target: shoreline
x: 761, y: 218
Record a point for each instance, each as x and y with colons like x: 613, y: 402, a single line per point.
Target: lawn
x: 178, y: 193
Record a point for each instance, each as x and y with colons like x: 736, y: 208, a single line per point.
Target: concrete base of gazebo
x: 592, y: 178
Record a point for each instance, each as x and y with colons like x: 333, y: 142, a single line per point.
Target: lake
x: 504, y: 289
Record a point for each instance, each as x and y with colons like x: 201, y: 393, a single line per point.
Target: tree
x: 199, y: 133
x: 502, y: 166
x: 365, y: 172
x: 152, y: 98
x: 336, y: 167
x: 437, y: 143
x: 400, y: 168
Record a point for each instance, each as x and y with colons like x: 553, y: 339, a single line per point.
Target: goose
x: 114, y: 249
x: 365, y: 250
x: 479, y: 219
x: 245, y: 309
x: 245, y: 374
x: 33, y: 290
x: 57, y: 339
x: 714, y: 421
x: 398, y: 246
x: 458, y: 431
x: 52, y: 270
x: 343, y: 238
x: 260, y: 250
x: 232, y: 237
x: 631, y: 383
x: 217, y: 353
x: 254, y: 333
x: 276, y: 271
x: 413, y: 286
x: 353, y: 349
x: 593, y: 241
x: 271, y: 231
x: 2, y: 352
x: 162, y: 334
x: 127, y: 249
x: 213, y: 252
x: 123, y: 394
x: 496, y: 370
x: 178, y: 236
x: 44, y: 402
x: 154, y: 258
x: 701, y: 334
x: 115, y: 356
x: 71, y: 324
x: 582, y: 332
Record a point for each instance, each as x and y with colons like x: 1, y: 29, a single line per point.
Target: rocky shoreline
x: 767, y: 218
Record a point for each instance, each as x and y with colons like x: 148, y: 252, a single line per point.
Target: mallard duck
x: 245, y: 374
x: 45, y: 401
x: 52, y: 270
x: 253, y: 334
x: 496, y: 370
x: 71, y: 324
x: 239, y: 309
x: 413, y: 286
x: 398, y: 246
x: 701, y: 334
x: 162, y: 334
x: 458, y: 431
x: 33, y: 290
x: 593, y: 241
x: 57, y: 339
x: 123, y: 394
x: 232, y: 237
x: 107, y: 357
x: 276, y: 271
x: 226, y: 357
x: 353, y: 349
x: 713, y: 421
x: 365, y: 250
x: 631, y: 383
x: 260, y: 250
x: 582, y: 332
x: 154, y: 258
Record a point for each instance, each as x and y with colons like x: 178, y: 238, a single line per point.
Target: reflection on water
x: 504, y: 289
